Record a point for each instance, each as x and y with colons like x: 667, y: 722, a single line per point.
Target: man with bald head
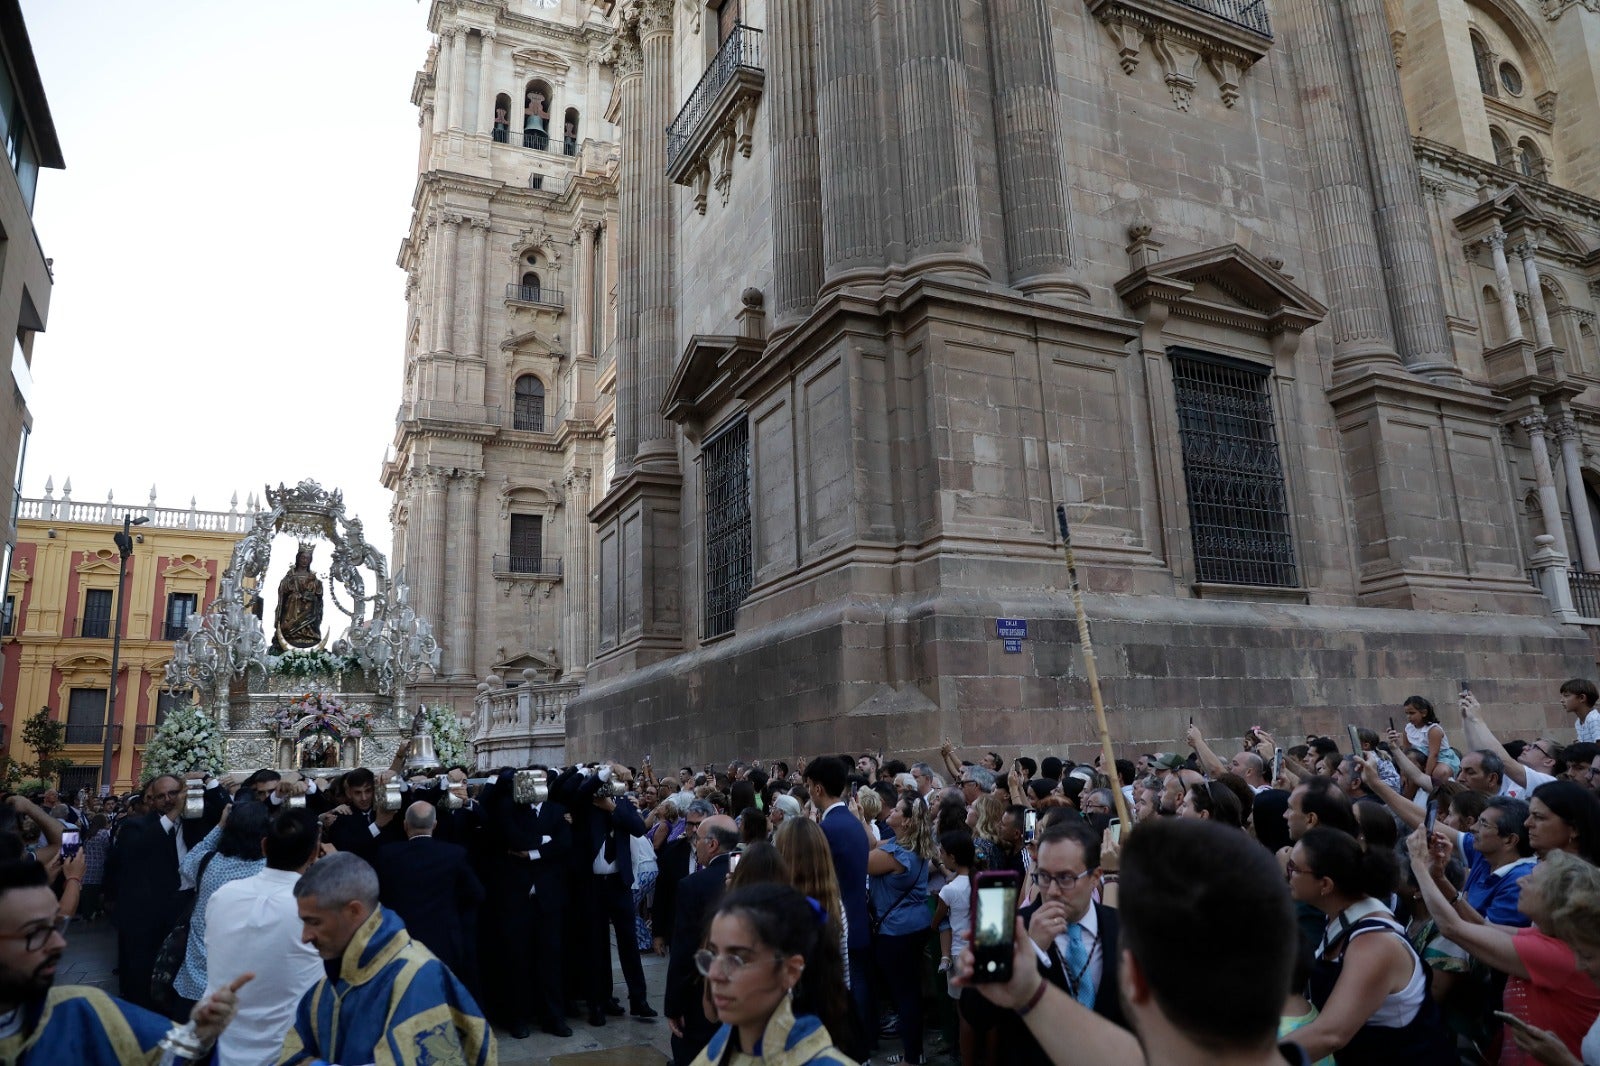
x: 1251, y: 767
x: 696, y: 898
x: 431, y: 886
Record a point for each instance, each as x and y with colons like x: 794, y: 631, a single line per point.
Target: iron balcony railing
x: 741, y: 49
x: 1251, y: 14
x: 538, y: 139
x: 143, y: 733
x: 536, y: 294
x: 175, y: 631
x: 89, y: 732
x: 1585, y: 585
x: 528, y: 564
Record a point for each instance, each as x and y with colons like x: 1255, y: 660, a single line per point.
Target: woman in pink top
x: 1545, y: 988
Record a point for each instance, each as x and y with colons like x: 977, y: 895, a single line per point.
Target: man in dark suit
x: 361, y: 825
x: 1074, y: 939
x: 696, y: 899
x: 141, y: 885
x: 529, y: 847
x: 431, y: 886
x: 825, y: 778
x: 602, y: 830
x: 676, y: 860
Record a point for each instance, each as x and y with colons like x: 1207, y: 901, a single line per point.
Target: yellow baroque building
x: 57, y: 624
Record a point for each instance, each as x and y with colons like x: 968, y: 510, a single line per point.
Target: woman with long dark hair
x: 1564, y: 816
x: 229, y: 852
x: 775, y: 979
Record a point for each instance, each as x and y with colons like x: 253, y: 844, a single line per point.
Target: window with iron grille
x: 529, y: 412
x: 1238, y: 506
x: 527, y: 544
x: 725, y: 466
x: 180, y: 605
x: 86, y: 715
x: 97, y: 613
x: 75, y: 779
x: 8, y: 616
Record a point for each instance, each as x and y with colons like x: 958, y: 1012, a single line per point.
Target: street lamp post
x: 124, y: 543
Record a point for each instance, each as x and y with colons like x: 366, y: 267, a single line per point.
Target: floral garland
x: 314, y: 663
x: 187, y: 740
x: 320, y: 714
x: 450, y: 744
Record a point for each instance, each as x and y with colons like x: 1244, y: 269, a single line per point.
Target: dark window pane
x: 8, y: 616
x: 726, y: 463
x: 1238, y: 507
x: 97, y: 613
x: 180, y: 606
x: 86, y: 715
x: 529, y: 411
x: 527, y: 544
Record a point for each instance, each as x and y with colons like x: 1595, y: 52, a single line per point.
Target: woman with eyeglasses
x: 1369, y: 985
x: 775, y: 980
x: 898, y: 885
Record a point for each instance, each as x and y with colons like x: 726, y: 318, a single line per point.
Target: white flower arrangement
x: 450, y: 744
x: 187, y: 740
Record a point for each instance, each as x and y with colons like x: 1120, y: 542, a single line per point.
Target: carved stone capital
x: 1435, y: 187
x: 1533, y: 425
x: 655, y: 17
x: 1526, y: 248
x: 625, y: 57
x: 1564, y: 429
x: 480, y: 223
x: 1496, y: 238
x: 450, y: 218
x: 434, y: 478
x: 489, y: 34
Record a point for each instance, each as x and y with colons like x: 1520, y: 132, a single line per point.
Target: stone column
x: 1411, y: 272
x: 1526, y: 251
x: 1027, y: 120
x: 627, y: 64
x: 1496, y: 240
x: 444, y: 309
x: 657, y: 314
x: 583, y: 290
x: 1571, y: 440
x: 1357, y: 312
x: 458, y: 75
x: 939, y: 174
x: 472, y: 318
x: 791, y: 102
x: 488, y: 85
x: 464, y: 566
x: 430, y: 559
x: 848, y: 99
x: 1545, y: 478
x: 441, y: 82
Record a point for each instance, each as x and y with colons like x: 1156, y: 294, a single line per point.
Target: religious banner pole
x: 1108, y: 759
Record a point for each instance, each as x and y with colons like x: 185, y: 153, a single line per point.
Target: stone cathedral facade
x: 501, y: 442
x: 1291, y: 303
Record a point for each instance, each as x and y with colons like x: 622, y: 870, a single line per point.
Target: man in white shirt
x: 253, y: 925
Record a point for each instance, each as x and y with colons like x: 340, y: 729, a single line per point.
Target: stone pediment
x: 1228, y: 285
x: 513, y: 669
x: 186, y: 566
x: 705, y: 378
x: 101, y: 562
x: 1510, y: 207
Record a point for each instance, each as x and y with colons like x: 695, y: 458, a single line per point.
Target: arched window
x: 529, y: 412
x: 1503, y: 156
x: 530, y: 287
x: 536, y: 115
x: 1483, y: 59
x: 569, y: 132
x: 1531, y: 160
x: 502, y: 118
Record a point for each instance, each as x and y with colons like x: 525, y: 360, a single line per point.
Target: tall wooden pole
x: 1108, y: 759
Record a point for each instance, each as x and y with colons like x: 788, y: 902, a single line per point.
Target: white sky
x: 227, y: 311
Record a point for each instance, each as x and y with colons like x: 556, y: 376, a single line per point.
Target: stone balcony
x: 718, y: 121
x: 521, y: 725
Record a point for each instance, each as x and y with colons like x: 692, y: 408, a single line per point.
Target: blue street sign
x: 1015, y: 628
x: 1013, y: 645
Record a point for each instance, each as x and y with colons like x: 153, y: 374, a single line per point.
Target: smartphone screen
x: 1433, y: 816
x: 994, y: 926
x: 1466, y: 686
x: 1116, y: 830
x: 1277, y: 766
x: 733, y: 862
x: 1030, y: 822
x: 69, y: 843
x: 1355, y: 740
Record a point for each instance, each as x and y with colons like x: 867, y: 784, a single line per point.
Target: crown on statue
x: 307, y: 498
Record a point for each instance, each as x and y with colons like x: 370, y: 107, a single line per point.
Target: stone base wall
x: 865, y: 674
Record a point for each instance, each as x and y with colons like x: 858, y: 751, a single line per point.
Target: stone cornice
x: 1182, y: 36
x: 1478, y: 171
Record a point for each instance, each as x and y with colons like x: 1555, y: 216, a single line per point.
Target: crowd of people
x: 1388, y: 896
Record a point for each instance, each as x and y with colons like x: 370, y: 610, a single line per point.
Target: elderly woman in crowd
x: 1545, y: 988
x: 1576, y: 921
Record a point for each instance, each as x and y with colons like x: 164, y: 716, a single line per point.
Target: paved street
x: 91, y: 956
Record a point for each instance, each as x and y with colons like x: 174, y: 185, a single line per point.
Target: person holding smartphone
x: 898, y: 870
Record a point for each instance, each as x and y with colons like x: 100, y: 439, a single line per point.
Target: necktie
x: 611, y: 845
x: 1078, y: 966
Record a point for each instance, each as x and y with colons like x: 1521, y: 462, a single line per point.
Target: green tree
x: 46, y: 737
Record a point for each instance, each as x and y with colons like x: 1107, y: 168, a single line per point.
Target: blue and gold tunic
x: 393, y: 1004
x: 84, y: 1026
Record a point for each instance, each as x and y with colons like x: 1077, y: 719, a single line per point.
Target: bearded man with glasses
x: 41, y: 1023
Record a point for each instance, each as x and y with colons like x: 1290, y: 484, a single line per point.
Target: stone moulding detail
x: 1182, y: 37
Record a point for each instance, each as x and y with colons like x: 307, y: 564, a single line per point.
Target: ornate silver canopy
x: 392, y: 647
